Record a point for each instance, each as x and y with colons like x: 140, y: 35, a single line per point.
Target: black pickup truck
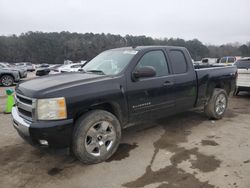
x: 117, y: 89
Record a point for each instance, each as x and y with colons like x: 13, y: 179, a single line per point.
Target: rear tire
x: 217, y: 104
x: 96, y: 136
x: 7, y: 80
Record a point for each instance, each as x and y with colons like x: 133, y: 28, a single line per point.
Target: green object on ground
x: 9, y: 91
x: 10, y: 100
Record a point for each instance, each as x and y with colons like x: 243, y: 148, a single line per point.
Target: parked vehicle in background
x: 75, y: 67
x: 43, y: 70
x: 209, y: 60
x: 118, y: 88
x: 67, y: 62
x: 54, y: 68
x: 29, y: 66
x: 243, y: 81
x: 22, y: 71
x: 228, y: 60
x: 8, y: 76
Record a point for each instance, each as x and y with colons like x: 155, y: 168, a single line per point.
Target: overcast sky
x: 210, y: 21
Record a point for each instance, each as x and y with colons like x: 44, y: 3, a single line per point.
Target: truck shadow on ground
x: 176, y: 130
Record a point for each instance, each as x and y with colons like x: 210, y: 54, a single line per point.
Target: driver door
x: 151, y: 98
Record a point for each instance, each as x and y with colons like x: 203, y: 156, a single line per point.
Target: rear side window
x: 231, y: 60
x: 179, y: 63
x: 155, y: 59
x: 223, y: 60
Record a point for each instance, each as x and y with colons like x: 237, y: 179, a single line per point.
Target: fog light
x: 43, y: 142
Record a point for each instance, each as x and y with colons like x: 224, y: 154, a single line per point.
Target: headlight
x: 51, y: 109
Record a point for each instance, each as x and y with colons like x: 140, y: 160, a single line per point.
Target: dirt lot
x: 186, y: 150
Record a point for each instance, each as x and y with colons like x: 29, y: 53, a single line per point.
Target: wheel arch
x: 111, y: 107
x: 219, y: 85
x: 6, y: 74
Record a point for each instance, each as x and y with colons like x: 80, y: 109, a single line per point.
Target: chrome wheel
x: 7, y: 80
x: 220, y: 104
x: 100, y: 138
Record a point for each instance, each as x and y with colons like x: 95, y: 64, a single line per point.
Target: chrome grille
x: 25, y: 106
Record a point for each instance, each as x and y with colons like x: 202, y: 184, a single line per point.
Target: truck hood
x: 44, y: 86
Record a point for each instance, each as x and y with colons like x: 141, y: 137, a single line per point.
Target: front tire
x: 96, y: 136
x: 7, y: 80
x: 217, y: 104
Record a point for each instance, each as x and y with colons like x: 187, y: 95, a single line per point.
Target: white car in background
x: 209, y: 61
x: 74, y: 67
x: 29, y: 66
x: 243, y: 81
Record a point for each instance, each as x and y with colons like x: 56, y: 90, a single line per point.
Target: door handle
x: 168, y: 83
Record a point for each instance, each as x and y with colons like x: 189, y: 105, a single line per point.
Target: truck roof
x: 138, y: 48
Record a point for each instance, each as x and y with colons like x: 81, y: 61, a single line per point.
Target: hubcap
x: 100, y: 138
x: 220, y: 105
x: 7, y: 81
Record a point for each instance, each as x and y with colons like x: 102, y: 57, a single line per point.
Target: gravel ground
x: 186, y: 150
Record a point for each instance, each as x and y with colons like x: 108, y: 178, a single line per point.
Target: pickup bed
x: 120, y: 87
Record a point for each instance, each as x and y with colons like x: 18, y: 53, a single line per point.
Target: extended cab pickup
x: 117, y: 89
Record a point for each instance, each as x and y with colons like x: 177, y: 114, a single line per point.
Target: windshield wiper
x: 96, y: 72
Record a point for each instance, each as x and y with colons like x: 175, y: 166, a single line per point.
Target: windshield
x: 110, y: 62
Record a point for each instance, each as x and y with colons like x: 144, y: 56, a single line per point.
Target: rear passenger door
x: 185, y: 88
x: 151, y: 98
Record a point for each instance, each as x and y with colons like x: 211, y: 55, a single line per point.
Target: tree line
x: 54, y: 48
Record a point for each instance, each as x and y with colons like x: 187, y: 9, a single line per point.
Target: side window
x: 154, y: 59
x: 223, y: 60
x: 231, y: 60
x: 178, y: 61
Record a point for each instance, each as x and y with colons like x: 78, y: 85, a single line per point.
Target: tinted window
x: 178, y: 60
x: 155, y: 59
x: 223, y: 60
x: 231, y: 60
x: 243, y: 64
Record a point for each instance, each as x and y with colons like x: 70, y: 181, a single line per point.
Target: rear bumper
x: 58, y: 134
x: 23, y: 74
x: 243, y: 88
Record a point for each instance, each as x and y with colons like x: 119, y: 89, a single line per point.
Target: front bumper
x: 58, y: 134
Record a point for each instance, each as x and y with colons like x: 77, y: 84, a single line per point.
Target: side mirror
x: 144, y: 72
x: 80, y: 70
